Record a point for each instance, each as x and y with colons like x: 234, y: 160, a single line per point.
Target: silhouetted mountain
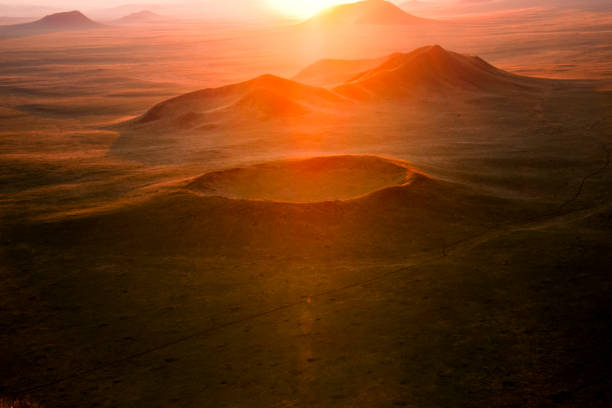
x: 141, y: 17
x: 67, y: 21
x: 379, y: 12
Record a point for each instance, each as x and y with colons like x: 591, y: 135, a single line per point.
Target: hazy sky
x: 249, y: 8
x: 112, y: 3
x: 168, y: 7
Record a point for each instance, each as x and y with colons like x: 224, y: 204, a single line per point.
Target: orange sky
x: 109, y: 9
x: 297, y: 8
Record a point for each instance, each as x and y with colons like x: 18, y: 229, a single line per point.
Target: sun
x: 302, y: 8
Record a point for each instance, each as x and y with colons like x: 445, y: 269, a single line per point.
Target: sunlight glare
x: 302, y: 8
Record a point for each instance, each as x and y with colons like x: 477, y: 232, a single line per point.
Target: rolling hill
x: 261, y: 98
x: 427, y: 71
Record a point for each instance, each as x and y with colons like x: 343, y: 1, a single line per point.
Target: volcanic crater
x: 309, y: 180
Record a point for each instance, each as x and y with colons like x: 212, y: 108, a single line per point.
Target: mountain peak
x: 143, y: 16
x: 379, y: 12
x: 432, y: 70
x: 69, y: 19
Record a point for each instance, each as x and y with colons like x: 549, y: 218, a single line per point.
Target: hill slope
x: 327, y: 72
